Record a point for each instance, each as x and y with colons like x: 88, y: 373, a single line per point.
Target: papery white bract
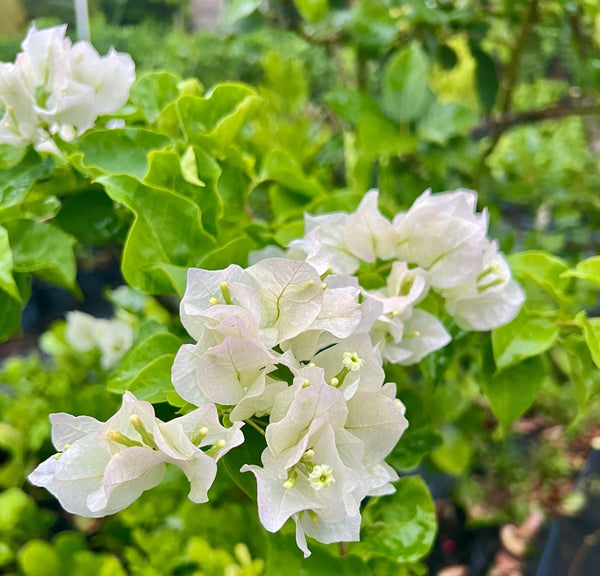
x: 102, y: 468
x: 443, y: 234
x: 56, y: 88
x: 488, y: 300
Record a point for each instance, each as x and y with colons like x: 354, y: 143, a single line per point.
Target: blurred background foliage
x: 501, y: 96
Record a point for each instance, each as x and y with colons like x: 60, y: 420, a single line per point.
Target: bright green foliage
x: 524, y: 337
x: 402, y: 527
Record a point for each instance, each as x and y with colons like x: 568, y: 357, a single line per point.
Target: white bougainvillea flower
x: 317, y: 480
x: 300, y: 410
x: 19, y: 123
x: 351, y: 363
x: 340, y: 312
x: 112, y: 337
x: 491, y: 299
x: 57, y: 88
x: 378, y: 420
x: 290, y: 297
x: 405, y: 287
x: 443, y: 234
x: 101, y: 468
x: 368, y: 235
x: 323, y: 244
x: 421, y: 334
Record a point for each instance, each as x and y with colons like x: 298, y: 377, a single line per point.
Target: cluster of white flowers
x: 111, y: 337
x: 441, y: 244
x: 288, y: 350
x: 54, y: 87
x: 294, y: 347
x: 102, y: 467
x: 281, y: 348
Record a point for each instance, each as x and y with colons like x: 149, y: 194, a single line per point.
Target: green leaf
x: 312, y: 10
x: 405, y: 91
x: 16, y: 182
x: 284, y: 557
x: 584, y: 375
x: 377, y: 134
x: 247, y: 453
x: 512, y: 391
x: 7, y: 282
x: 90, y: 216
x: 372, y: 27
x: 588, y: 269
x: 237, y: 9
x: 442, y: 122
x: 591, y: 334
x: 454, y: 455
x: 414, y: 445
x: 167, y: 231
x: 38, y: 558
x: 233, y: 252
x: 401, y: 526
x: 279, y: 166
x: 213, y: 121
x: 10, y: 156
x: 152, y: 91
x: 195, y: 175
x: 542, y: 268
x: 43, y: 249
x: 145, y: 369
x: 524, y: 337
x: 11, y: 308
x: 119, y: 151
x: 486, y: 75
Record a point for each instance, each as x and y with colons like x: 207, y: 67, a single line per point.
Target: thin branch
x: 499, y: 126
x: 512, y: 72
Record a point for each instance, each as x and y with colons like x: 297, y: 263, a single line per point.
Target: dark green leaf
x: 43, y: 249
x: 89, y: 216
x: 16, y: 182
x: 487, y: 77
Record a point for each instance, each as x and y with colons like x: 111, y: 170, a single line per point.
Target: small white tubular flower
x: 443, y: 234
x: 323, y: 245
x: 489, y: 300
x: 368, y: 235
x: 56, y: 88
x: 351, y: 364
x: 106, y: 466
x: 318, y: 481
x: 290, y: 297
x: 112, y: 337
